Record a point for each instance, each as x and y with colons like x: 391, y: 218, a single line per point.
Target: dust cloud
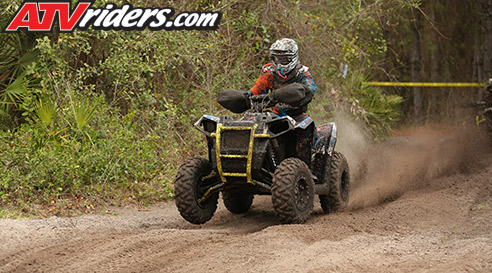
x: 410, y: 160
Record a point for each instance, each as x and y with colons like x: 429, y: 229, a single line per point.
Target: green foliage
x: 14, y: 92
x: 379, y: 111
x: 45, y: 111
x: 16, y: 54
x: 117, y: 168
x: 83, y: 110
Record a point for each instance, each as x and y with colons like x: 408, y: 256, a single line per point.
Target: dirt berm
x: 421, y: 202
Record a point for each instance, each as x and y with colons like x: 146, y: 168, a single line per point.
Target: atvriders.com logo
x: 40, y: 16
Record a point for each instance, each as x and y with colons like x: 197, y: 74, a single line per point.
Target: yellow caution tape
x: 426, y: 84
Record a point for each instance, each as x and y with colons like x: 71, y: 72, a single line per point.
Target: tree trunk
x: 487, y: 38
x: 435, y: 76
x: 415, y: 70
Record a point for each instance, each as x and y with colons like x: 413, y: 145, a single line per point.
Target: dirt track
x: 419, y: 203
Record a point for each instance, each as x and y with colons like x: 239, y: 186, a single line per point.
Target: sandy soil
x: 420, y: 202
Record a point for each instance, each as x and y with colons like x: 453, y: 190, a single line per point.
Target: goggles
x: 281, y: 59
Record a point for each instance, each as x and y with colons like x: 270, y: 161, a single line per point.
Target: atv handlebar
x: 261, y: 102
x: 292, y: 95
x: 258, y: 98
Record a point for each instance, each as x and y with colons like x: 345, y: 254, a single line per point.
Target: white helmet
x: 284, y: 55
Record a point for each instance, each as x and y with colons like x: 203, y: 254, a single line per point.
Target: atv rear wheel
x: 237, y: 202
x: 189, y: 188
x: 293, y: 191
x: 338, y: 179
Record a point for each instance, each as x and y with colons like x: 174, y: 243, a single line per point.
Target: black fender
x: 327, y: 138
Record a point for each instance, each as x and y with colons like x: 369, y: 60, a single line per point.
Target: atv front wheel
x: 338, y: 179
x: 293, y: 191
x: 189, y: 188
x: 237, y: 202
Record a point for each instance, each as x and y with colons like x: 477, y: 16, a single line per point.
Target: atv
x: 484, y: 116
x: 263, y: 154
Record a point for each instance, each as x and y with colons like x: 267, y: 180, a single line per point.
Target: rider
x: 488, y: 103
x: 285, y: 69
x: 488, y: 99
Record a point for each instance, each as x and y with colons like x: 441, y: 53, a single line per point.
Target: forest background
x: 105, y: 117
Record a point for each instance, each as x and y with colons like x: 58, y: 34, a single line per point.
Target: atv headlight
x: 279, y: 126
x: 207, y: 124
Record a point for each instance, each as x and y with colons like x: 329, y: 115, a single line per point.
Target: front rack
x: 248, y: 157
